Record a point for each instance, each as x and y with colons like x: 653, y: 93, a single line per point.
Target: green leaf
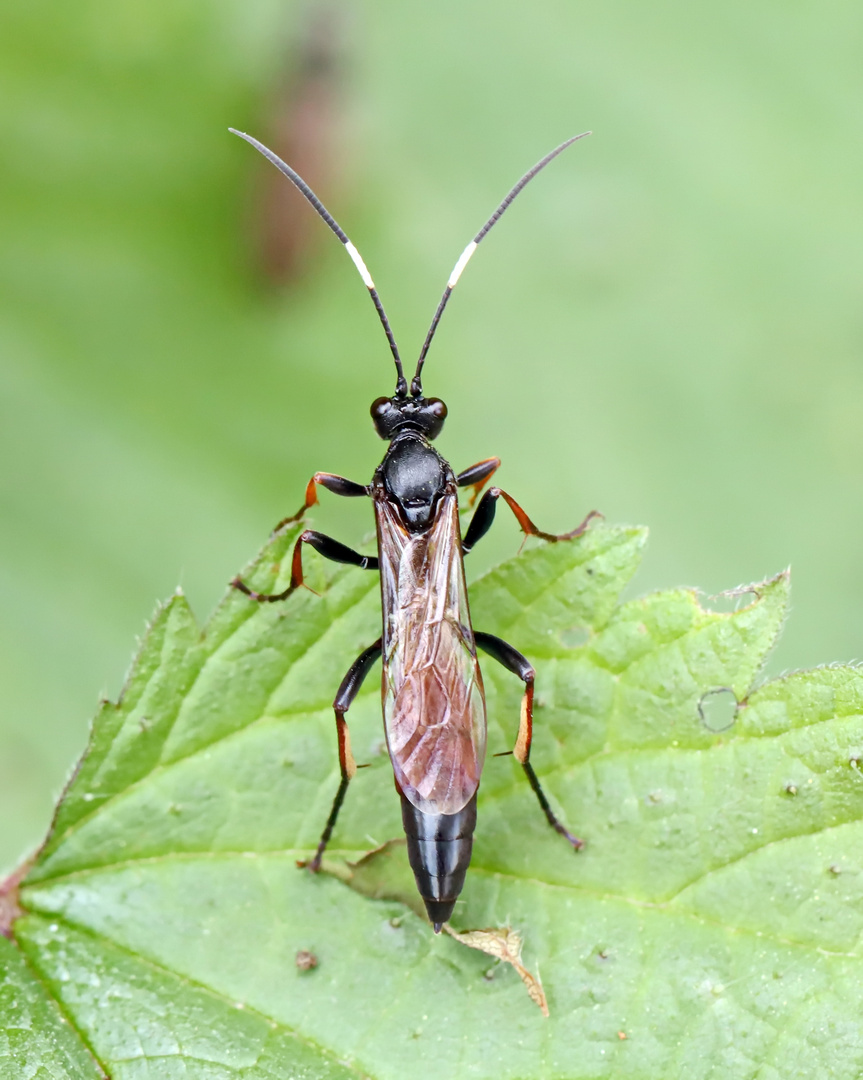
x: 710, y: 928
x: 36, y: 1040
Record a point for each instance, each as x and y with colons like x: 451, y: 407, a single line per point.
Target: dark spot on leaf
x: 306, y: 961
x: 718, y: 709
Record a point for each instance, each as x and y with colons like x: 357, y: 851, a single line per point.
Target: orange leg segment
x: 338, y: 485
x: 484, y: 516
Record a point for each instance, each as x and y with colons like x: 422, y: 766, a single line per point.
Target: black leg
x: 477, y: 476
x: 348, y: 690
x: 480, y: 523
x: 513, y: 661
x: 338, y: 485
x: 326, y: 546
x: 484, y: 516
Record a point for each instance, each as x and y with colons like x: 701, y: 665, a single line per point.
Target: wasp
x: 432, y: 691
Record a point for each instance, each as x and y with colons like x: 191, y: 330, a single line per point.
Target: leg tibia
x: 348, y: 690
x: 513, y: 661
x: 326, y: 546
x: 338, y: 485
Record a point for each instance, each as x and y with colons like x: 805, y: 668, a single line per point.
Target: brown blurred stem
x: 304, y: 131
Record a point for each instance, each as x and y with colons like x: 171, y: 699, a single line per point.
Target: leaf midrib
x: 66, y: 1016
x: 353, y: 854
x: 501, y: 791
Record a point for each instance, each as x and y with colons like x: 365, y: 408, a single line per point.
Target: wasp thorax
x: 395, y: 414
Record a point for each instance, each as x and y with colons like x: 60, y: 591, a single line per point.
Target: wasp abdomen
x: 439, y: 849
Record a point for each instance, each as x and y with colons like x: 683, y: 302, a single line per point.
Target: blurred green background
x: 666, y: 327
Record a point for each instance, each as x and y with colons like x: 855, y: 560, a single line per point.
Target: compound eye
x: 380, y: 406
x: 437, y: 408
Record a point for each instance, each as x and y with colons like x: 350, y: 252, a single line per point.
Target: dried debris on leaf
x: 384, y: 874
x: 504, y: 944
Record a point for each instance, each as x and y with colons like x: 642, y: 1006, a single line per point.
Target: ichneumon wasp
x: 433, y: 700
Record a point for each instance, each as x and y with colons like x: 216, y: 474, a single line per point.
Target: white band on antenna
x: 461, y: 264
x: 360, y: 265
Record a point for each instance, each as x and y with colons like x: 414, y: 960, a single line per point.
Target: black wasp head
x: 396, y: 414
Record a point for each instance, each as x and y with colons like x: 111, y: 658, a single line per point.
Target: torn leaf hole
x: 718, y: 709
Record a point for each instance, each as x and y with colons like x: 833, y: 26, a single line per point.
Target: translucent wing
x: 434, y: 710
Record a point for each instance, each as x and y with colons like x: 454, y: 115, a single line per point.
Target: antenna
x: 416, y: 382
x: 303, y: 187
